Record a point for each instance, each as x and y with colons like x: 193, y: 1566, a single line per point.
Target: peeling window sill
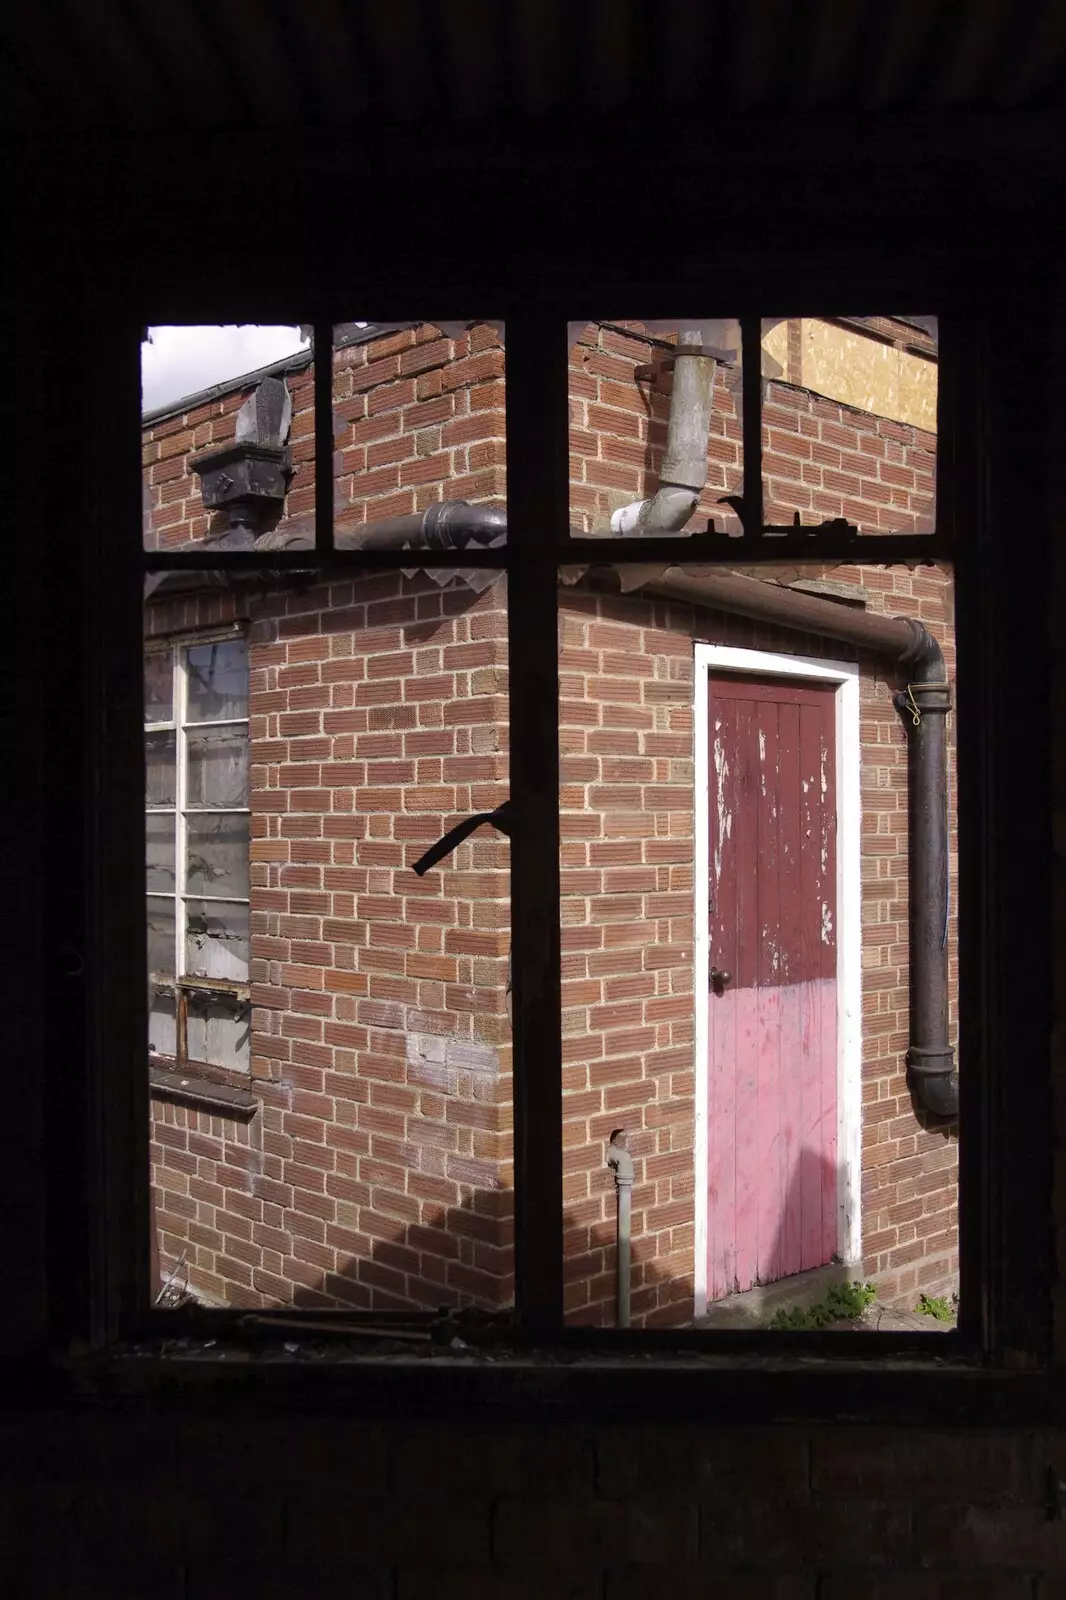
x: 201, y: 1093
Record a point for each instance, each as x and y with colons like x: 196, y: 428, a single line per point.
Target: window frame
x: 182, y: 984
x: 1002, y: 1186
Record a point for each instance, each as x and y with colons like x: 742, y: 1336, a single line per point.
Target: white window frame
x: 177, y: 648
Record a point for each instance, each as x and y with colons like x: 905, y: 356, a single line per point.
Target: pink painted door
x: 772, y: 1079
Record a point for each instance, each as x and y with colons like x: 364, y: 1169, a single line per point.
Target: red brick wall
x: 378, y: 1169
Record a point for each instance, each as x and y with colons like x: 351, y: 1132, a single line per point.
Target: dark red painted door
x: 772, y: 1073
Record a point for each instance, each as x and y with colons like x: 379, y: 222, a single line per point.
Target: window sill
x: 201, y: 1093
x: 633, y: 1385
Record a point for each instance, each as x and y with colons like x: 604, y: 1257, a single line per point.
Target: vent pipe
x: 684, y: 469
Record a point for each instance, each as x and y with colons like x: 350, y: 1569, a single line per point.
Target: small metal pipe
x: 621, y: 1163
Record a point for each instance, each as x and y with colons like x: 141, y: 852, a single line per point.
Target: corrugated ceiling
x: 214, y: 63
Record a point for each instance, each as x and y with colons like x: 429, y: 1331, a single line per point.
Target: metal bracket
x: 502, y: 818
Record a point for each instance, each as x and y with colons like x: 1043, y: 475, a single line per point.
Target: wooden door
x: 772, y: 1073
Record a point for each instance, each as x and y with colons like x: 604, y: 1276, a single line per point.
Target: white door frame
x: 845, y: 676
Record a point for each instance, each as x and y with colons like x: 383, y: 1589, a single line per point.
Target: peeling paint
x: 827, y: 924
x: 725, y: 818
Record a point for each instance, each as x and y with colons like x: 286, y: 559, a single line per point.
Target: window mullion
x: 181, y: 698
x: 538, y: 493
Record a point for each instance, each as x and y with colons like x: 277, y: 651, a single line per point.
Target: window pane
x: 159, y: 840
x: 217, y: 855
x: 656, y: 440
x: 217, y: 681
x: 375, y: 1169
x: 160, y: 780
x: 736, y: 937
x: 849, y: 422
x: 218, y: 1030
x: 227, y: 444
x: 159, y: 686
x: 419, y: 434
x: 160, y: 936
x: 162, y: 1022
x: 217, y: 768
x: 216, y: 941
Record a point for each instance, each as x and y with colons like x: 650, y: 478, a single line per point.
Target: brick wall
x: 378, y: 1170
x: 186, y: 1507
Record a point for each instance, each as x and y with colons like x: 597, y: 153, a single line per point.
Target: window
x: 196, y: 852
x: 535, y: 564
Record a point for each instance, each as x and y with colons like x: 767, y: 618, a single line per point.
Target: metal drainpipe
x: 684, y: 469
x: 621, y: 1163
x: 924, y: 705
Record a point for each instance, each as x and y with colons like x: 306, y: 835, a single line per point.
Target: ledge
x: 638, y: 1388
x: 202, y: 1093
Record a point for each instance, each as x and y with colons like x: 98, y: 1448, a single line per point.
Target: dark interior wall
x: 187, y: 1498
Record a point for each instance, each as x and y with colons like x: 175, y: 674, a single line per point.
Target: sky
x: 179, y: 361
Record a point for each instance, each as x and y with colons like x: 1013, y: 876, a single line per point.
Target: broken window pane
x: 216, y: 940
x: 217, y: 855
x: 218, y: 1030
x: 159, y: 686
x: 160, y: 936
x: 227, y: 435
x: 162, y: 1022
x: 159, y: 839
x: 217, y: 684
x: 738, y: 917
x: 419, y: 435
x: 849, y: 422
x: 160, y: 788
x: 656, y: 435
x: 218, y: 767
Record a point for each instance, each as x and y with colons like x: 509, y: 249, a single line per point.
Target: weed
x: 938, y: 1306
x: 843, y: 1302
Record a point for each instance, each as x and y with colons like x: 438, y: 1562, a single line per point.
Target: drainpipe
x: 923, y: 704
x: 684, y: 468
x: 446, y: 525
x: 621, y: 1163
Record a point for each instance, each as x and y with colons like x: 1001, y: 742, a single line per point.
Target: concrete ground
x: 756, y: 1307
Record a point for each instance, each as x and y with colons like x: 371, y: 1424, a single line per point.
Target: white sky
x: 179, y: 361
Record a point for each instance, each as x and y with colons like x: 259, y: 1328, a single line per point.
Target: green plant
x: 843, y: 1302
x: 938, y: 1306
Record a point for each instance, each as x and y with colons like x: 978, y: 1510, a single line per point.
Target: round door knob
x: 719, y: 979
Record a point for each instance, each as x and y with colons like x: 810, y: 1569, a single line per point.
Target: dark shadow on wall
x: 464, y: 1257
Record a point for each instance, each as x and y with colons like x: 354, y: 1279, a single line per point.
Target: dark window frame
x: 1004, y: 1181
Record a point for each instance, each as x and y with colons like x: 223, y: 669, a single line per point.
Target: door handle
x: 719, y: 979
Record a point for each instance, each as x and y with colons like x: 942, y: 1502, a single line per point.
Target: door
x: 772, y: 1007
